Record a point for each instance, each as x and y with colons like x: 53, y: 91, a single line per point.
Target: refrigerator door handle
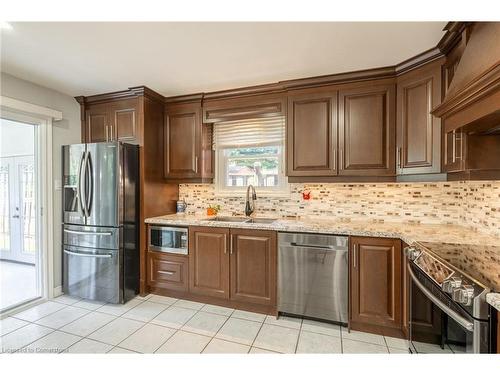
x: 86, y: 233
x: 87, y: 255
x: 81, y: 180
x: 90, y: 176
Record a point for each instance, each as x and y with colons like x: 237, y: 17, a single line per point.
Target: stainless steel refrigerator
x: 101, y: 221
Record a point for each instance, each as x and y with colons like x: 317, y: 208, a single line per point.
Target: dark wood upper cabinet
x: 367, y: 131
x: 124, y: 120
x: 209, y: 261
x: 375, y: 273
x: 312, y: 134
x: 188, y: 151
x: 418, y: 131
x: 253, y: 266
x: 182, y: 141
x: 112, y: 121
x: 97, y: 121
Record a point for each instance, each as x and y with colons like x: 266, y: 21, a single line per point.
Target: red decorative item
x: 306, y: 195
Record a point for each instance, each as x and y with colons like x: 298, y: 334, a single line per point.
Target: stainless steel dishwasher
x: 313, y: 275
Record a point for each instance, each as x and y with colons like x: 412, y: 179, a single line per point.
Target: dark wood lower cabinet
x: 235, y: 268
x: 168, y: 271
x: 209, y: 261
x: 253, y: 266
x: 375, y: 285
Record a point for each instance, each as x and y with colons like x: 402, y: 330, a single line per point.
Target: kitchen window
x: 250, y: 152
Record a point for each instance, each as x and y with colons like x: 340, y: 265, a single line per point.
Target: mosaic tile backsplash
x: 475, y: 204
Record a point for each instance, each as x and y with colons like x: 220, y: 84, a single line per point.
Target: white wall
x: 64, y: 132
x: 16, y: 138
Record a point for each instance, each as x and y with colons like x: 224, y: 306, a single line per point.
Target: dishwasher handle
x: 319, y: 247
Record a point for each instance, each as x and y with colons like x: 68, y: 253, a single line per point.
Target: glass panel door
x: 19, y: 245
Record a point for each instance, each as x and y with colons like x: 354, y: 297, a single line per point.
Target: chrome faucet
x: 250, y: 207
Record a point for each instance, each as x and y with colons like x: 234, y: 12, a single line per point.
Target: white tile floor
x: 156, y: 324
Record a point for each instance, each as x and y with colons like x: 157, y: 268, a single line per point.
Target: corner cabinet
x: 418, y: 131
x: 187, y: 144
x: 375, y: 285
x: 312, y: 134
x: 237, y: 265
x: 367, y: 131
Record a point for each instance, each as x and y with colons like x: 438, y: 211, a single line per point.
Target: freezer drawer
x: 93, y: 237
x: 313, y: 276
x: 92, y: 273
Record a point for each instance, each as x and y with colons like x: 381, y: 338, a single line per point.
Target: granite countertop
x: 456, y: 235
x: 494, y: 300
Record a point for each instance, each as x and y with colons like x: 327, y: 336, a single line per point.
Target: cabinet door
x: 454, y: 151
x: 419, y: 132
x: 367, y: 134
x: 97, y: 122
x: 124, y: 120
x: 375, y: 265
x: 209, y: 261
x: 168, y: 271
x: 253, y: 266
x: 312, y: 134
x: 182, y: 141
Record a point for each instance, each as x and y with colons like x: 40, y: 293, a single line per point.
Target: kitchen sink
x: 238, y: 219
x: 229, y: 219
x: 260, y: 220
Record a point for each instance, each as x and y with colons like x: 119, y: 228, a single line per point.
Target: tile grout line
x: 298, y: 337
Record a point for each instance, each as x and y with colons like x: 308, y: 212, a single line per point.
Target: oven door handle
x: 452, y: 314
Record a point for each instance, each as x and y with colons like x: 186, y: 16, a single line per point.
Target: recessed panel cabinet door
x: 419, y: 132
x: 209, y: 261
x: 367, y: 134
x: 312, y: 134
x: 182, y: 141
x: 98, y: 123
x: 124, y: 114
x: 375, y: 265
x: 253, y: 266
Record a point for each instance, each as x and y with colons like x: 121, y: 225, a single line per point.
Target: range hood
x: 472, y: 100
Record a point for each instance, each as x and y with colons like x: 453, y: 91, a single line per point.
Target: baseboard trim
x: 57, y: 291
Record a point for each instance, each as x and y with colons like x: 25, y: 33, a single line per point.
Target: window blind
x: 245, y: 133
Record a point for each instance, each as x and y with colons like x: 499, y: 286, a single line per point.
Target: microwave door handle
x: 464, y: 323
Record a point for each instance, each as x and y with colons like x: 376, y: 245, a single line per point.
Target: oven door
x: 439, y: 325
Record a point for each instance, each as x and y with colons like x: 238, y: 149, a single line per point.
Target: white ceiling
x: 183, y: 58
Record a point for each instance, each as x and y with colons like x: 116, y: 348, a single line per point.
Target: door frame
x: 18, y: 110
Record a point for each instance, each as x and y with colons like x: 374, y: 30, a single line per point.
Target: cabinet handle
x: 399, y: 156
x: 341, y: 158
x: 166, y: 272
x: 225, y: 244
x: 107, y: 133
x: 334, y: 158
x: 231, y: 244
x: 354, y: 251
x: 196, y: 164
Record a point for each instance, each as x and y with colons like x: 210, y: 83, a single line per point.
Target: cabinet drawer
x: 168, y: 271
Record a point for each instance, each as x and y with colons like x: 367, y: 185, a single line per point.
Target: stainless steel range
x: 448, y: 307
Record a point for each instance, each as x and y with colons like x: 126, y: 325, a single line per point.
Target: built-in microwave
x: 168, y: 239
